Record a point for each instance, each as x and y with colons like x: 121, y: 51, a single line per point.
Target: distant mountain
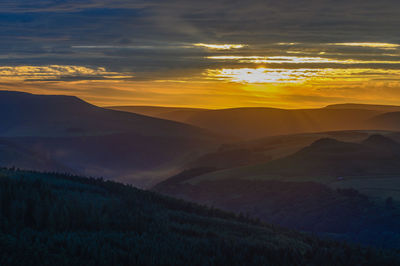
x: 24, y: 114
x: 94, y: 141
x: 179, y: 114
x: 258, y: 122
x: 251, y: 123
x: 390, y: 121
x: 381, y: 142
x: 53, y: 219
x: 381, y: 108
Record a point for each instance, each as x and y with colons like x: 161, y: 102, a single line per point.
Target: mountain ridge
x: 69, y: 115
x: 94, y: 141
x: 257, y: 122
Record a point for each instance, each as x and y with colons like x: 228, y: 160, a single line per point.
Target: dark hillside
x: 51, y: 219
x: 65, y: 133
x: 344, y: 189
x: 24, y: 114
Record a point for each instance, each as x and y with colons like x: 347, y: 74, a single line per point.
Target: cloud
x: 95, y: 45
x: 384, y: 46
x: 302, y: 75
x: 297, y: 60
x: 57, y: 72
x: 220, y: 46
x: 23, y: 6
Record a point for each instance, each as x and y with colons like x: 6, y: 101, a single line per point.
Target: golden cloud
x: 296, y: 60
x: 220, y: 46
x: 57, y: 72
x: 385, y: 46
x: 303, y: 75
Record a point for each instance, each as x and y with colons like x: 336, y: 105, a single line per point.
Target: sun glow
x: 287, y: 43
x: 220, y: 46
x: 297, y: 60
x: 260, y: 75
x: 298, y: 76
x: 386, y: 46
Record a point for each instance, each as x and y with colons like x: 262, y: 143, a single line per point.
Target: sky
x: 210, y: 54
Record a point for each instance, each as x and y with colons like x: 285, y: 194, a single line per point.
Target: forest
x: 60, y: 219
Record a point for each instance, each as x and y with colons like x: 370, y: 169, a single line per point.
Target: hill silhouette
x: 259, y: 122
x: 376, y: 107
x: 179, y: 114
x: 25, y: 114
x: 266, y: 149
x: 325, y: 159
x: 315, y: 189
x: 390, y: 121
x: 251, y: 123
x: 71, y: 134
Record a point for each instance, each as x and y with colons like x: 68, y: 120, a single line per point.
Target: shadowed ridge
x: 258, y: 122
x: 11, y: 98
x: 380, y: 140
x: 25, y: 114
x: 183, y: 176
x: 95, y: 141
x: 377, y: 107
x: 324, y: 142
x: 329, y: 146
x: 390, y: 121
x: 179, y: 114
x: 252, y: 123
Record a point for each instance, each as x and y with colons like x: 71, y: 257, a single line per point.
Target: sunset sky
x: 214, y: 54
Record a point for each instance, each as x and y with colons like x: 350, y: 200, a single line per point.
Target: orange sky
x: 213, y: 54
x: 287, y: 82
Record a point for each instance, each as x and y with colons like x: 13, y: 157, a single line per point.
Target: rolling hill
x: 389, y: 121
x: 382, y: 108
x: 53, y: 219
x: 178, y: 114
x: 324, y: 161
x: 25, y: 114
x: 252, y: 123
x: 262, y: 150
x: 343, y: 189
x: 72, y: 135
